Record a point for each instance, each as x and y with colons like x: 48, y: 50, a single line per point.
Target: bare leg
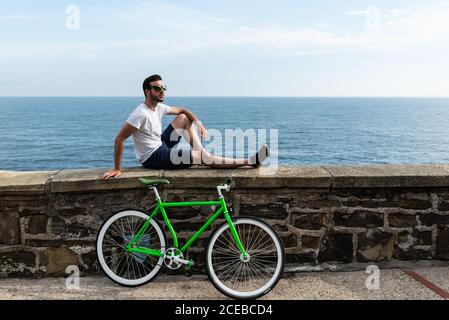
x: 199, y: 154
x: 205, y: 158
x: 183, y: 126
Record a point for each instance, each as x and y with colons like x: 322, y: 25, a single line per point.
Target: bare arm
x: 192, y: 117
x: 187, y: 112
x: 124, y: 133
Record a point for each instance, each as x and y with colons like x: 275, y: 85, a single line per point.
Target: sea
x: 52, y: 133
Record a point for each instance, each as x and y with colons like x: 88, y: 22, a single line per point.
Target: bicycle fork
x: 234, y: 233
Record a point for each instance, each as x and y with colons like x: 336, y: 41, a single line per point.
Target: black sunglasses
x: 159, y: 88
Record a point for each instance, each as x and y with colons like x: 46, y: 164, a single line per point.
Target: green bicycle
x: 244, y: 256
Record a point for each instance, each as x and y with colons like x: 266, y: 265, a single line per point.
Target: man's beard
x: 155, y: 98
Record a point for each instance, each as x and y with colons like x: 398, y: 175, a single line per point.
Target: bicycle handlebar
x: 226, y: 186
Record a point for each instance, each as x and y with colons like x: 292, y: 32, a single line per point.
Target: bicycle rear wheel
x: 129, y: 268
x: 239, y: 277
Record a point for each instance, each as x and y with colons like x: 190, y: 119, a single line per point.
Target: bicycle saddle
x: 153, y: 182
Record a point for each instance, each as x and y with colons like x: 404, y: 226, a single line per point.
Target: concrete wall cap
x: 293, y: 176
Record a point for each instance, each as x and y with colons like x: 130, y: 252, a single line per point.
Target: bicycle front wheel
x: 124, y: 267
x: 242, y: 277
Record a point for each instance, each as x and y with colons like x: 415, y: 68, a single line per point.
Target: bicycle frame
x: 132, y: 247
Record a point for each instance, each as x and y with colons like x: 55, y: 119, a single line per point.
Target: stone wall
x: 327, y: 216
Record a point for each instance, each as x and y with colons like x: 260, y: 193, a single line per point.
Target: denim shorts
x: 161, y: 158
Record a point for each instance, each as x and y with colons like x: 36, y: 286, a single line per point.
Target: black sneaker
x: 260, y: 156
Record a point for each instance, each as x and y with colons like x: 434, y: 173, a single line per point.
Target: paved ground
x: 422, y: 283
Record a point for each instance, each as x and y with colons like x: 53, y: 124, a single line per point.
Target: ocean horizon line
x: 224, y: 97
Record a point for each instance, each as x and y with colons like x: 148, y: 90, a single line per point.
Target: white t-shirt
x: 148, y: 123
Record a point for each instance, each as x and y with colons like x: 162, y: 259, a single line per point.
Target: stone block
x: 423, y: 237
x: 389, y: 175
x: 336, y: 247
x: 318, y: 204
x: 78, y: 227
x: 359, y: 219
x: 429, y: 219
x: 310, y: 242
x: 56, y: 260
x: 442, y: 251
x: 82, y: 180
x: 412, y: 254
x: 415, y: 204
x: 309, y: 221
x: 369, y: 203
x: 283, y: 177
x: 9, y: 228
x: 375, y: 245
x: 269, y: 210
x: 35, y: 224
x: 443, y: 206
x: 290, y: 241
x: 397, y: 219
x: 90, y: 263
x: 22, y: 182
x: 17, y: 262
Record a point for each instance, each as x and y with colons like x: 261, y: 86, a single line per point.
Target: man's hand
x: 191, y: 116
x: 119, y: 145
x: 203, y: 131
x: 111, y: 174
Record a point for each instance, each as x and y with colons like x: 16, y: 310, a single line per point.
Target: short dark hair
x: 146, y: 82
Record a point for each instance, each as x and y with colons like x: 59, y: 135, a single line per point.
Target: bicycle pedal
x: 189, y: 265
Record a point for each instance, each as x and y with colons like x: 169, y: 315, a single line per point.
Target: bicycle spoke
x: 260, y: 268
x: 227, y: 253
x: 130, y: 265
x: 224, y: 265
x: 257, y: 240
x: 264, y: 244
x: 112, y: 241
x: 233, y: 270
x: 231, y: 244
x: 236, y: 273
x: 229, y: 271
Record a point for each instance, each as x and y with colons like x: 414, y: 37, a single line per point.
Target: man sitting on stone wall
x: 156, y: 149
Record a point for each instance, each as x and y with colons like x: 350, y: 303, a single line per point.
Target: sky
x: 225, y: 48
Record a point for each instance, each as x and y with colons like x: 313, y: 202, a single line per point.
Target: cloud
x: 431, y: 18
x: 187, y: 30
x: 164, y: 31
x: 404, y: 28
